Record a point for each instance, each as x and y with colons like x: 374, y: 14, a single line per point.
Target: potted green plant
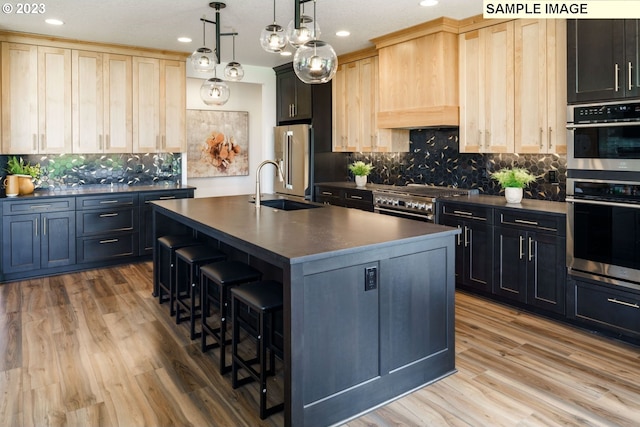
x: 25, y: 171
x: 513, y: 180
x: 360, y: 170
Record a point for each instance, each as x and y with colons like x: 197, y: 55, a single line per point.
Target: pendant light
x: 234, y: 71
x: 273, y: 37
x: 307, y: 30
x: 203, y: 59
x: 315, y: 61
x: 215, y: 91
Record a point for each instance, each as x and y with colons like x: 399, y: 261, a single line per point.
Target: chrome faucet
x: 266, y: 162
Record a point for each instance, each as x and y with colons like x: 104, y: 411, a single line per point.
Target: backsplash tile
x: 72, y: 170
x: 433, y: 158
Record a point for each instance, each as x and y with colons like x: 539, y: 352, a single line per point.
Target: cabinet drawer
x: 464, y: 211
x: 107, y: 248
x: 145, y: 198
x: 101, y: 221
x: 363, y: 196
x: 10, y: 207
x: 106, y: 202
x: 612, y: 308
x: 533, y: 221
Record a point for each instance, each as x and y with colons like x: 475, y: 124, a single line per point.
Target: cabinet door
x: 118, y: 104
x: 58, y: 239
x: 632, y: 57
x: 88, y: 102
x: 595, y: 59
x: 19, y: 99
x: 303, y: 104
x: 286, y: 96
x: 54, y: 100
x: 546, y: 272
x: 173, y: 102
x: 339, y: 101
x: 478, y: 262
x: 352, y: 110
x: 146, y: 105
x: 20, y: 243
x: 460, y: 249
x: 471, y: 106
x: 510, y: 274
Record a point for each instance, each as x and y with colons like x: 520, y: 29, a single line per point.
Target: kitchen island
x: 368, y: 298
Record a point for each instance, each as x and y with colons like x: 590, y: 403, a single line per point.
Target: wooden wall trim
x: 358, y: 55
x: 442, y: 24
x: 476, y: 22
x: 42, y: 40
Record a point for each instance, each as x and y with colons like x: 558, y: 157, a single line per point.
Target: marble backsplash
x: 72, y: 170
x: 433, y: 158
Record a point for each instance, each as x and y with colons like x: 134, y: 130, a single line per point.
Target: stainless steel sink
x: 288, y: 205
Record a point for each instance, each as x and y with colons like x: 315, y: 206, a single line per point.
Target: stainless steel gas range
x: 413, y: 201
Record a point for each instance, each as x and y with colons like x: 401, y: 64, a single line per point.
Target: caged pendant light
x: 273, y: 37
x: 203, y: 58
x: 315, y: 61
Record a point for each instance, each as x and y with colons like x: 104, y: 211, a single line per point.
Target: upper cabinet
x: 294, y: 99
x: 36, y: 99
x: 603, y: 59
x: 512, y: 87
x: 418, y: 76
x: 61, y: 96
x: 159, y: 105
x: 355, y: 107
x: 102, y: 104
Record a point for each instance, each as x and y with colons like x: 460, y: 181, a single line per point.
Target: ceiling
x: 158, y: 23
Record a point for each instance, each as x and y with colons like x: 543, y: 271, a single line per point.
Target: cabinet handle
x: 167, y: 197
x: 353, y: 196
x: 43, y: 142
x: 35, y: 142
x: 107, y: 142
x: 530, y: 249
x: 44, y: 226
x: 463, y: 213
x: 627, y: 304
x: 523, y: 221
x: 520, y: 247
x: 479, y: 138
x: 549, y: 137
x: 487, y: 136
x: 616, y: 77
x: 540, y: 138
x: 106, y: 202
x: 459, y: 236
x: 467, y: 231
x: 36, y: 227
x: 103, y: 242
x: 630, y: 66
x: 100, y: 142
x: 39, y: 206
x: 327, y: 193
x: 164, y: 142
x: 108, y: 215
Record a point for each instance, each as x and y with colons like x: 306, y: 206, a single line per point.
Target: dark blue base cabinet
x: 42, y: 235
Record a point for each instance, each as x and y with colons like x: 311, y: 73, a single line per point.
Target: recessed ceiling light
x: 52, y: 21
x: 343, y: 33
x: 184, y: 40
x: 285, y: 53
x: 428, y: 2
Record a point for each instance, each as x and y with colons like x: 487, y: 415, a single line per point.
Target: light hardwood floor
x: 94, y: 348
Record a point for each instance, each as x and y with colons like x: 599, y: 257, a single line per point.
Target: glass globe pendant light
x: 215, y: 91
x: 308, y: 29
x: 203, y: 59
x: 315, y: 61
x: 234, y: 71
x: 273, y: 37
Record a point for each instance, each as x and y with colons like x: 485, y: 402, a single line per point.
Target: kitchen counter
x: 349, y: 347
x: 546, y: 206
x: 97, y: 189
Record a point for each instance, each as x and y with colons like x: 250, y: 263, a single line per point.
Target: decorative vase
x: 513, y: 194
x: 25, y: 184
x: 361, y: 180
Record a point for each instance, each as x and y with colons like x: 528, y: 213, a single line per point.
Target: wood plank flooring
x: 96, y: 349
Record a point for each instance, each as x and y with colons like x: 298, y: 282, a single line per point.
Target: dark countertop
x: 89, y: 190
x: 301, y: 235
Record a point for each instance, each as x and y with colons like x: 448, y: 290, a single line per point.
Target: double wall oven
x: 603, y: 192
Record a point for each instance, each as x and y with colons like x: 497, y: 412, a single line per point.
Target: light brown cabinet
x: 418, y: 76
x: 159, y: 105
x: 36, y: 99
x: 487, y: 90
x: 540, y: 86
x: 102, y: 104
x: 355, y: 107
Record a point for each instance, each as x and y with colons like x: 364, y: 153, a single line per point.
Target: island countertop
x: 300, y: 235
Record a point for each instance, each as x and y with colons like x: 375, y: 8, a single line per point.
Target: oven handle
x: 572, y: 126
x: 394, y: 211
x: 597, y: 202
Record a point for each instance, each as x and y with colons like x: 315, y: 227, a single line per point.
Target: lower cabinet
x: 33, y: 241
x: 474, y: 266
x: 146, y: 214
x: 345, y: 197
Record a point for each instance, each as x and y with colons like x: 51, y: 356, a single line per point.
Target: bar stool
x: 264, y: 299
x: 188, y: 262
x: 166, y: 247
x: 215, y: 281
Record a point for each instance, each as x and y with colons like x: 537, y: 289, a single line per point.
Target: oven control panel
x: 405, y: 203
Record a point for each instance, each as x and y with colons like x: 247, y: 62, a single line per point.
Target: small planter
x: 25, y: 183
x: 361, y: 180
x: 513, y: 194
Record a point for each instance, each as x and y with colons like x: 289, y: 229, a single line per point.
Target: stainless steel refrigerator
x: 294, y: 155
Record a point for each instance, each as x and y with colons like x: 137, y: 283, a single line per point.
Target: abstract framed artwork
x: 217, y: 143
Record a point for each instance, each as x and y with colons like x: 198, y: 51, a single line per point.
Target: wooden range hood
x: 418, y: 76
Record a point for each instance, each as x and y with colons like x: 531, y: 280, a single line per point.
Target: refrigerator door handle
x: 287, y: 161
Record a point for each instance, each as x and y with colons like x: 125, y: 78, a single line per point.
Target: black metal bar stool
x: 265, y: 300
x: 166, y: 247
x: 188, y: 262
x: 216, y: 280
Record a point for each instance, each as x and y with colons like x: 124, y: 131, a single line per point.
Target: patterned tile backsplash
x: 72, y: 170
x: 433, y: 158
